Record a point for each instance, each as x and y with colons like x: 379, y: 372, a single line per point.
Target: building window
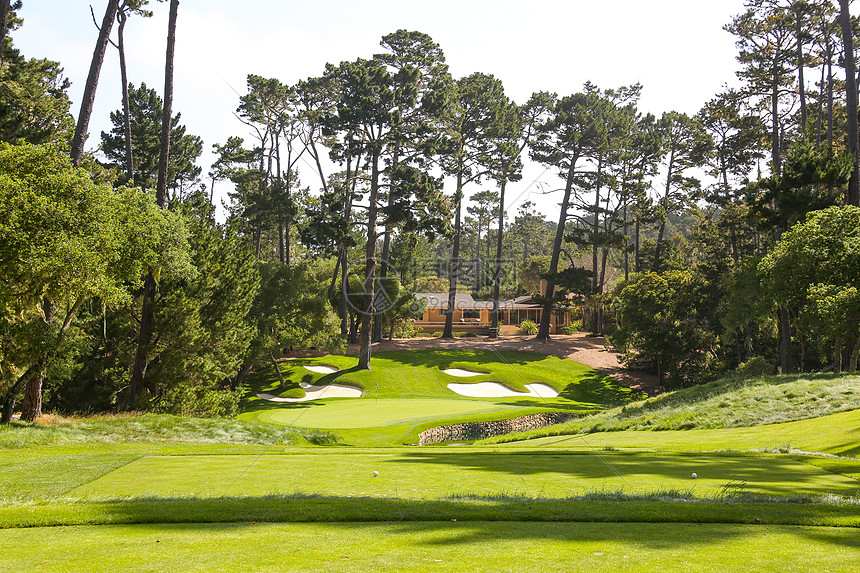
x: 471, y: 313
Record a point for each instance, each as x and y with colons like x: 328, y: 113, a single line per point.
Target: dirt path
x: 591, y: 351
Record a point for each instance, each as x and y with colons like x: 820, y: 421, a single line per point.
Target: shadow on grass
x: 597, y: 388
x: 740, y: 473
x: 476, y: 519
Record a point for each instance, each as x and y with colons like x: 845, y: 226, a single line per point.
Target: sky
x: 676, y: 49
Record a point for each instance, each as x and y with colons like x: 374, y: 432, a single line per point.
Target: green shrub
x: 571, y: 329
x: 406, y: 329
x: 529, y: 327
x: 755, y: 366
x: 437, y: 334
x: 189, y: 401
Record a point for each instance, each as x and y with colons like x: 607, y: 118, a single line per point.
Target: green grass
x: 145, y: 493
x: 406, y: 392
x: 659, y: 507
x: 837, y: 434
x: 150, y: 428
x: 418, y: 374
x: 438, y: 473
x: 727, y: 403
x: 440, y: 546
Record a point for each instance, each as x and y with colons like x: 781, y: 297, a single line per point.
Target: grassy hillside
x: 418, y: 374
x: 131, y: 428
x: 727, y: 403
x: 406, y: 392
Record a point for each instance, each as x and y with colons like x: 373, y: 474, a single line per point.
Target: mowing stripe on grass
x: 455, y: 547
x: 440, y: 473
x: 311, y: 509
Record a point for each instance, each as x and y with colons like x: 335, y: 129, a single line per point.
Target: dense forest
x: 697, y: 244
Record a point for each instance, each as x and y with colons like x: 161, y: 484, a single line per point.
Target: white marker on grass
x: 375, y: 473
x: 695, y: 475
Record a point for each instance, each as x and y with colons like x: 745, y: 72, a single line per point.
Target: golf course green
x: 407, y: 392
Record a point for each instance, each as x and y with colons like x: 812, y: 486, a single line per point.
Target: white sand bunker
x: 316, y: 392
x: 496, y: 390
x: 460, y: 373
x: 322, y: 369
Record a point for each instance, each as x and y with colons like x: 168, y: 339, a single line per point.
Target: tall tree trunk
x: 821, y: 89
x: 370, y: 266
x: 669, y: 175
x: 32, y: 408
x: 126, y: 109
x: 626, y: 244
x: 281, y: 258
x: 4, y: 25
x: 332, y: 285
x: 853, y: 195
x: 774, y: 114
x: 837, y: 355
x: 497, y: 270
x: 31, y: 405
x: 344, y: 282
x: 785, y: 353
x: 11, y: 396
x: 801, y: 86
x: 829, y: 93
x: 282, y: 255
x: 283, y: 383
x: 144, y: 338
x: 89, y: 96
x: 604, y: 255
x: 383, y: 267
x: 239, y: 379
x: 448, y: 331
x: 167, y: 112
x: 595, y: 229
x: 543, y: 330
x: 378, y: 299
x: 637, y: 261
x: 855, y: 351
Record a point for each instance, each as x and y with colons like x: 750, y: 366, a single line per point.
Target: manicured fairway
x: 442, y: 473
x: 439, y: 546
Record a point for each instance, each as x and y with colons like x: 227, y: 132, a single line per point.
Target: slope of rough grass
x: 130, y: 428
x: 727, y: 403
x: 836, y: 434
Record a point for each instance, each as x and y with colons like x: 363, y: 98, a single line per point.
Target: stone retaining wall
x: 480, y: 430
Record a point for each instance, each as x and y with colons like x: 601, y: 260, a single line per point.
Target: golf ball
x: 375, y: 473
x: 695, y: 475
